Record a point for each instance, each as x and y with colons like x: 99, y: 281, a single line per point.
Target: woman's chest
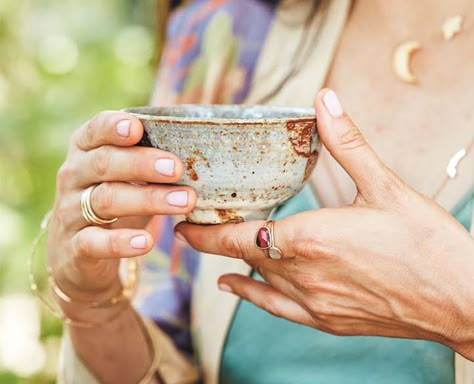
x: 415, y: 128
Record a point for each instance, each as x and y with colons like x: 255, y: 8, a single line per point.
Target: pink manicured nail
x: 178, y: 198
x: 165, y: 167
x: 332, y: 103
x: 225, y: 288
x: 123, y: 128
x: 138, y: 242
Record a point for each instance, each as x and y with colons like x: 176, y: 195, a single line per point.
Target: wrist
x: 103, y: 292
x: 81, y: 315
x: 67, y: 291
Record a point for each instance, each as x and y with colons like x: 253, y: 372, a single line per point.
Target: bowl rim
x: 307, y: 113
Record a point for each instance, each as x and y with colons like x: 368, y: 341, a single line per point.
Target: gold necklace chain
x: 451, y: 27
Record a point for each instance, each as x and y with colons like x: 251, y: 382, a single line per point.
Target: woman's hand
x: 393, y: 263
x: 84, y: 259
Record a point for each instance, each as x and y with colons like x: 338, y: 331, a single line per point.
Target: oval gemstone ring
x: 265, y: 240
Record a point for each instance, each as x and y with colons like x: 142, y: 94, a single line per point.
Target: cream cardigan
x: 213, y: 309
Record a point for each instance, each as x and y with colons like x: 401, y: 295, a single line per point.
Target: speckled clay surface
x: 241, y: 160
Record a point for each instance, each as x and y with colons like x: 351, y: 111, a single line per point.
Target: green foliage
x: 61, y: 61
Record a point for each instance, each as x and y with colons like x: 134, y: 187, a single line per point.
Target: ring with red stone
x: 265, y: 240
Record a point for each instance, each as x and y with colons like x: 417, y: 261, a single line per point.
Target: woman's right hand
x: 83, y: 258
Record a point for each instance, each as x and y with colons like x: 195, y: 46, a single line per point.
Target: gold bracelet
x: 126, y: 293
x: 151, y: 373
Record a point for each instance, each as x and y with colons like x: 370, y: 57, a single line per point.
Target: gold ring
x: 265, y: 240
x: 86, y: 208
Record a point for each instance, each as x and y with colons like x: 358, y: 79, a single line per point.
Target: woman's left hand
x: 393, y: 263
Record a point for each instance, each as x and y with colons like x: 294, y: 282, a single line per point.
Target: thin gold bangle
x: 151, y: 373
x: 126, y: 293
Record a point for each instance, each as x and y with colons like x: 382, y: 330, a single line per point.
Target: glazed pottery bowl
x: 242, y: 160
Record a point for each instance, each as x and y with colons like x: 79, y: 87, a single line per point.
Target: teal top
x: 297, y: 354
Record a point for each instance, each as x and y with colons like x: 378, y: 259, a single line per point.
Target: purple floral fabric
x: 210, y: 56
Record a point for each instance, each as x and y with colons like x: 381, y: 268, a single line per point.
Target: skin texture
x: 363, y: 269
x: 84, y: 259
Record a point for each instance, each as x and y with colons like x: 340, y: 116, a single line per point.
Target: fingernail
x: 138, y: 242
x: 180, y: 237
x: 165, y: 167
x: 178, y: 198
x: 123, y: 128
x: 332, y: 103
x: 225, y: 287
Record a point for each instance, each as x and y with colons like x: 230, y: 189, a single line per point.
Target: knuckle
x: 136, y: 167
x: 62, y: 209
x: 95, y: 126
x: 61, y: 217
x: 104, y: 198
x: 82, y: 245
x: 307, y: 247
x: 390, y: 186
x: 307, y: 282
x: 90, y: 130
x: 98, y: 121
x: 75, y: 138
x: 351, y: 138
x: 113, y: 245
x: 153, y: 196
x: 102, y: 160
x: 271, y: 305
x: 324, y: 312
x: 64, y: 176
x: 233, y: 243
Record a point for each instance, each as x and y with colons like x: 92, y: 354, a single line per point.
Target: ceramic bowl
x: 242, y: 160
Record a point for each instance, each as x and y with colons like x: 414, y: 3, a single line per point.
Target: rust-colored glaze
x: 310, y: 166
x: 300, y: 135
x: 229, y: 216
x: 199, y: 153
x: 190, y: 169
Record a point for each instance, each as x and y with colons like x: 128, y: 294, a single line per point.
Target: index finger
x: 234, y: 240
x: 109, y: 128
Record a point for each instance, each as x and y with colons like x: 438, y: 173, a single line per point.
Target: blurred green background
x: 61, y: 61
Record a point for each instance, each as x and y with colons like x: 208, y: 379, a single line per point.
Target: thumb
x: 346, y: 143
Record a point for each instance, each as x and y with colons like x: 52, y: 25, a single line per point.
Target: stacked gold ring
x: 86, y: 208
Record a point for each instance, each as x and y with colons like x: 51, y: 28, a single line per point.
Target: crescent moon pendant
x: 402, y: 59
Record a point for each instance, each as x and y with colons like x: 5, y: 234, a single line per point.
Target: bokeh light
x: 4, y: 88
x: 12, y: 227
x: 58, y: 54
x: 20, y: 349
x: 134, y: 46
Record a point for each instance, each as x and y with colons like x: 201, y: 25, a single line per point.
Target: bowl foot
x: 221, y: 216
